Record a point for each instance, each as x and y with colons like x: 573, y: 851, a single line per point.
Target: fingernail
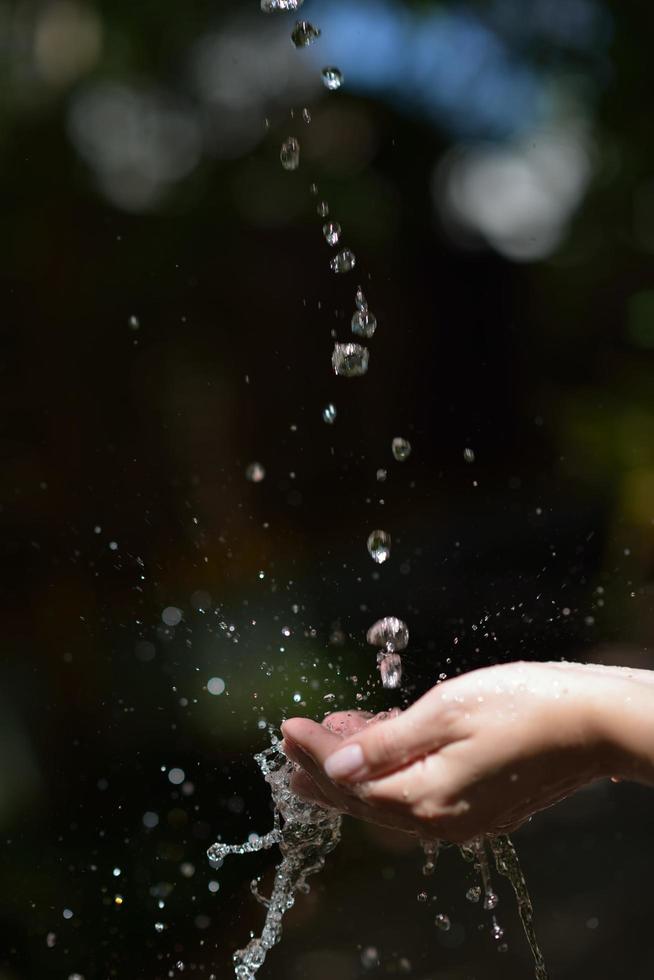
x: 347, y: 762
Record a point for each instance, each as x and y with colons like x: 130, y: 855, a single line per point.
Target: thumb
x: 381, y: 748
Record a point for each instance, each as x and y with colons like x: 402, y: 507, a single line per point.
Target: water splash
x: 305, y: 833
x: 506, y: 860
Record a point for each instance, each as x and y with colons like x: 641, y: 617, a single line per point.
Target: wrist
x: 623, y: 723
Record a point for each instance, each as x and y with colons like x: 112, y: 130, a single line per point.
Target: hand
x: 477, y: 754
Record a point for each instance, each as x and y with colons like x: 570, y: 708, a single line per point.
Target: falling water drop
x: 290, y: 154
x: 329, y: 414
x: 469, y: 455
x: 350, y: 360
x: 390, y: 668
x: 401, y: 448
x: 332, y: 232
x: 304, y: 34
x: 360, y: 299
x: 332, y: 78
x: 389, y: 632
x: 255, y: 473
x: 379, y: 546
x: 442, y: 922
x: 306, y: 116
x: 345, y: 261
x: 323, y: 209
x: 381, y: 475
x: 473, y: 894
x: 364, y: 323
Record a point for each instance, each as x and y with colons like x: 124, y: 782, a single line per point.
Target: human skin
x: 482, y: 752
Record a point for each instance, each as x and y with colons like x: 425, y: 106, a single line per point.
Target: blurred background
x: 168, y: 317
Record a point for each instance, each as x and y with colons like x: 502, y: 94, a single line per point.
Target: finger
x: 380, y: 749
x: 313, y: 739
x: 339, y: 798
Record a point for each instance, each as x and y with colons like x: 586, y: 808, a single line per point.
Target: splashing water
x: 329, y: 414
x: 304, y: 832
x: 508, y: 865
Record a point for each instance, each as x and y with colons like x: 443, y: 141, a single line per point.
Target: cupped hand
x: 477, y: 754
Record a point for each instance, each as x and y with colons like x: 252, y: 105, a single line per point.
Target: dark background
x: 167, y: 318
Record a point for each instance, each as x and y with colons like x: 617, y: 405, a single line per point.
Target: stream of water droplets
x: 305, y: 833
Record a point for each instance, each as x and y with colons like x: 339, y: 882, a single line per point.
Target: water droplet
x: 379, y: 546
x: 270, y: 6
x: 332, y: 78
x: 255, y: 473
x: 381, y: 476
x: 332, y: 232
x: 345, y: 261
x: 364, y: 323
x: 390, y: 668
x: 306, y: 116
x: 490, y: 901
x: 369, y: 957
x: 360, y: 299
x: 290, y: 154
x: 497, y: 931
x: 350, y: 360
x: 442, y: 922
x: 304, y: 34
x: 134, y: 323
x: 215, y: 686
x: 390, y: 632
x: 323, y: 209
x: 401, y: 449
x: 473, y: 894
x: 423, y: 897
x: 329, y: 414
x: 469, y: 455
